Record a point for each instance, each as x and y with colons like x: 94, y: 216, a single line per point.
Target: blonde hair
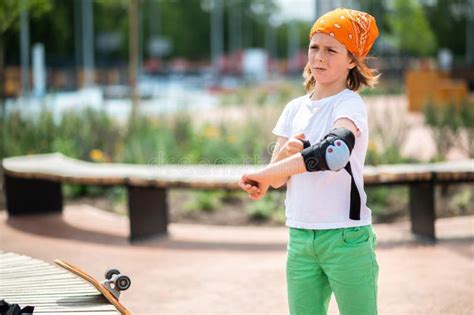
x: 358, y: 76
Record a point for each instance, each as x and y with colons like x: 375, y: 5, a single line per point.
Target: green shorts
x: 342, y: 261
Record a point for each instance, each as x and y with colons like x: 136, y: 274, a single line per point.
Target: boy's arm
x: 276, y: 172
x: 279, y: 153
x: 348, y: 124
x: 285, y: 148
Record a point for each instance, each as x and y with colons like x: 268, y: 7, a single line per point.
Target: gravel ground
x: 201, y: 269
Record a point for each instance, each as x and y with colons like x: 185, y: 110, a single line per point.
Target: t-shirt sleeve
x: 354, y: 110
x: 282, y: 127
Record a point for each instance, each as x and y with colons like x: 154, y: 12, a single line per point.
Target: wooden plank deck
x: 50, y: 289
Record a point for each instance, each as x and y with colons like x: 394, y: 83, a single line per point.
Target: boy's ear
x: 352, y: 64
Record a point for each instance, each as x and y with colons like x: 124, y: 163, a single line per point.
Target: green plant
x: 464, y: 199
x: 231, y: 196
x: 445, y: 122
x: 393, y: 87
x: 80, y: 132
x: 387, y: 203
x: 388, y: 130
x: 149, y: 142
x: 76, y: 191
x: 27, y: 135
x: 207, y: 201
x: 390, y: 155
x: 466, y: 114
x: 270, y: 206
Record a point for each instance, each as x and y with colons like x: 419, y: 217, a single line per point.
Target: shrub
x: 388, y: 131
x: 207, y: 201
x: 148, y: 142
x: 80, y: 132
x: 26, y: 135
x: 268, y: 207
x: 452, y: 125
x: 444, y: 121
x: 466, y: 113
x: 387, y: 203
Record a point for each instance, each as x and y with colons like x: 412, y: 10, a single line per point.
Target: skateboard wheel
x: 110, y: 273
x: 122, y: 282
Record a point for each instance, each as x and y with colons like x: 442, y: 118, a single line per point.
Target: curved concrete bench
x: 33, y: 185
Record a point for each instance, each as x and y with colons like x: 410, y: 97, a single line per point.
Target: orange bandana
x: 355, y: 29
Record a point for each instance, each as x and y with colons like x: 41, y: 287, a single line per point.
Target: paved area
x: 241, y: 270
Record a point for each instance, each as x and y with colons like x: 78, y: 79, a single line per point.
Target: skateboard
x: 110, y: 288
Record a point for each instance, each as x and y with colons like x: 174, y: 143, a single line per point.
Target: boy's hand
x: 251, y: 187
x: 256, y: 190
x: 293, y: 145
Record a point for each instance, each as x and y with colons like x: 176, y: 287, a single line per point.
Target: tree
x: 411, y: 30
x: 448, y: 20
x: 10, y: 11
x: 379, y: 10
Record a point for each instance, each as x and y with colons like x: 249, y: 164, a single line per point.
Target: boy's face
x: 328, y: 59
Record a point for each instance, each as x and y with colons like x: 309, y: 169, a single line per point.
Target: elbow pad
x: 332, y: 153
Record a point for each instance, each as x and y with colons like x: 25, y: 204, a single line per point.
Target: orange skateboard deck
x: 111, y: 293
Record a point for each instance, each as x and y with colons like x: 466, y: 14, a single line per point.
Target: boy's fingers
x: 254, y: 190
x: 300, y: 136
x: 245, y: 186
x: 295, y: 150
x: 298, y: 145
x: 254, y: 197
x: 251, y: 189
x: 243, y: 183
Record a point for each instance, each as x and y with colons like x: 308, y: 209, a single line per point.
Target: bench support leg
x: 422, y: 210
x: 32, y: 196
x: 148, y: 212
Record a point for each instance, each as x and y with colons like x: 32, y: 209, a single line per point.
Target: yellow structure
x: 423, y: 86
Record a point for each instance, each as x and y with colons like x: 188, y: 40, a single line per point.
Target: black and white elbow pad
x: 332, y: 153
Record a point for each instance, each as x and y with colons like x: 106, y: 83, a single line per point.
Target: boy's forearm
x: 280, y: 156
x: 279, y: 171
x: 282, y: 181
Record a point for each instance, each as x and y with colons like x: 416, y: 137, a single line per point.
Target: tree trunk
x: 2, y: 98
x: 133, y: 59
x: 2, y: 117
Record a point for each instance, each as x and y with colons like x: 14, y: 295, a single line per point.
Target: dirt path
x: 241, y: 270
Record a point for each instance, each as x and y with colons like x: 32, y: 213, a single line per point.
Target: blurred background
x: 193, y: 81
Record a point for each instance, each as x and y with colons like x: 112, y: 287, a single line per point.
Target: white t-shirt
x: 321, y: 200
